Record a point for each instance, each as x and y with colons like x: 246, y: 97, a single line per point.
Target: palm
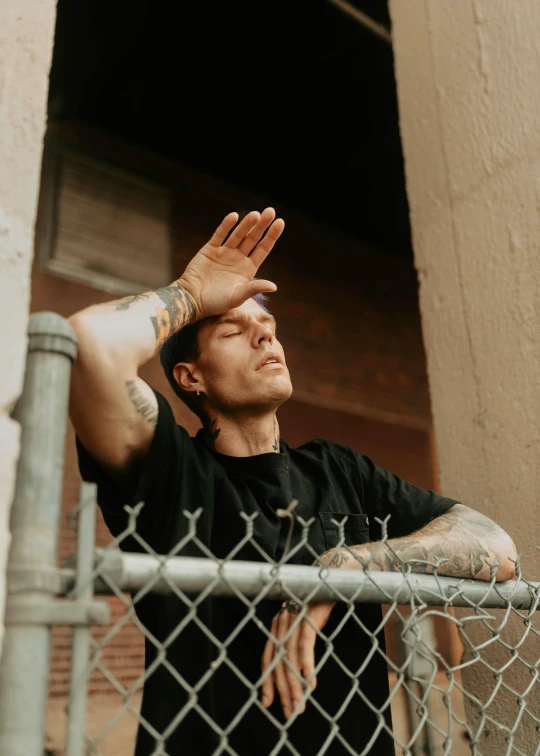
x: 219, y: 272
x: 220, y: 276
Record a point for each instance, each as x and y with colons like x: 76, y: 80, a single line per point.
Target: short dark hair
x: 184, y: 346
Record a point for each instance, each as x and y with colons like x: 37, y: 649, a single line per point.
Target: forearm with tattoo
x: 177, y: 311
x: 463, y: 542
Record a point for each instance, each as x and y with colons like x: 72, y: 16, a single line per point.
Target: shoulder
x: 173, y: 451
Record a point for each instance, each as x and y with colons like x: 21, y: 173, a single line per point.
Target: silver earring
x: 198, y: 392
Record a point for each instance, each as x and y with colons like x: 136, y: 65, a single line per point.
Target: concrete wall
x: 469, y: 96
x: 26, y: 38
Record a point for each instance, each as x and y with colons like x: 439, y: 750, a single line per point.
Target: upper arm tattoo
x: 142, y: 405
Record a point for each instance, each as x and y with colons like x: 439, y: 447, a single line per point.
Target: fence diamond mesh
x: 432, y: 704
x: 412, y: 693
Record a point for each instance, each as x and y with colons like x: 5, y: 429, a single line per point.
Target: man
x: 204, y: 689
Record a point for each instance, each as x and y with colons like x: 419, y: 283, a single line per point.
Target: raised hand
x: 220, y: 276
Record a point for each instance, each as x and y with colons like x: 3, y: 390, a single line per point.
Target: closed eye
x: 235, y: 333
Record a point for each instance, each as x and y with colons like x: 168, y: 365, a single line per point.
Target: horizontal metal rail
x: 132, y: 572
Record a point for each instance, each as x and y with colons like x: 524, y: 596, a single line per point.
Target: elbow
x: 83, y: 327
x: 89, y: 344
x: 93, y: 333
x: 506, y: 553
x: 88, y: 324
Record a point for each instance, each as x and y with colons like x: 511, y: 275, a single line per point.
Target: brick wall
x: 347, y: 315
x: 349, y: 322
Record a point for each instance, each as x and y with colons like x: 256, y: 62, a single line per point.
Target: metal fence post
x: 33, y: 577
x: 84, y: 590
x: 416, y: 668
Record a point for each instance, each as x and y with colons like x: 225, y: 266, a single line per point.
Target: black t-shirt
x: 212, y: 646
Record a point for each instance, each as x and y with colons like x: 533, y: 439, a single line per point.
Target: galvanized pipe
x: 80, y: 647
x: 35, y: 517
x: 131, y: 572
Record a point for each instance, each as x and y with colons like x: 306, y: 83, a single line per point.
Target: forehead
x: 246, y: 311
x: 250, y: 307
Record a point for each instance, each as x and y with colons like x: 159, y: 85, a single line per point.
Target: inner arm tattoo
x: 142, y: 406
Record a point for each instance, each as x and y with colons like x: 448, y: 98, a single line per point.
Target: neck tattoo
x: 275, y: 445
x: 210, y: 429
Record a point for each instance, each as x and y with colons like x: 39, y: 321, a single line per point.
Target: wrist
x: 195, y: 308
x: 342, y: 558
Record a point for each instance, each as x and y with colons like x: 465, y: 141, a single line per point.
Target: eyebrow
x: 240, y: 319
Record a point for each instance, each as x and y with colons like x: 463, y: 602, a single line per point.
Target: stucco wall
x: 26, y: 35
x: 469, y: 96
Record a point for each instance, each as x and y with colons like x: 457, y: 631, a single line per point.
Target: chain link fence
x: 431, y: 704
x: 394, y: 688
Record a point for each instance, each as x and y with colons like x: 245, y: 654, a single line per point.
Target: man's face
x: 242, y: 364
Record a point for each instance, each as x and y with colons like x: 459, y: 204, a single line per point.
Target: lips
x: 270, y: 359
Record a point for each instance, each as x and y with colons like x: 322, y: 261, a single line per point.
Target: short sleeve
x: 409, y: 507
x: 156, y: 480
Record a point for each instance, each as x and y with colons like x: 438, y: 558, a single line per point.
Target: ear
x: 187, y: 376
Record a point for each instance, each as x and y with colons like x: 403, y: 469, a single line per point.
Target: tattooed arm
x: 113, y: 410
x: 463, y: 542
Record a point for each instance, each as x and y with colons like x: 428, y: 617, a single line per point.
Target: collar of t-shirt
x: 255, y: 463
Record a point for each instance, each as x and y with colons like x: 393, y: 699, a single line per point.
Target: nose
x: 263, y: 333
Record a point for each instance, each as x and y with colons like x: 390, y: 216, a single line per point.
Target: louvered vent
x: 110, y: 227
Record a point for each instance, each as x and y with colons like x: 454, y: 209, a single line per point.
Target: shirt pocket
x: 355, y: 529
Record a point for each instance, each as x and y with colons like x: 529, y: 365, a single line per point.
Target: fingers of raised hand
x: 242, y: 230
x: 242, y: 293
x: 224, y: 228
x: 257, y: 231
x: 264, y: 247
